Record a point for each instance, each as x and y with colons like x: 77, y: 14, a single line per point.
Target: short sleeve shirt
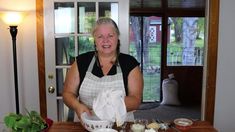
x: 126, y: 62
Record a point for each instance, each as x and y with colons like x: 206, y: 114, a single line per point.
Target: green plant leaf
x: 31, y: 122
x: 23, y: 123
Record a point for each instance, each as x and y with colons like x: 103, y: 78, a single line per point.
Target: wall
x: 26, y: 57
x: 225, y: 86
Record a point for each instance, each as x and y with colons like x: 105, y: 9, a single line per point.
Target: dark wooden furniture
x: 198, y: 126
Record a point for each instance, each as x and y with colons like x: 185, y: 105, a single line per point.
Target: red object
x: 183, y: 124
x: 49, y: 123
x: 183, y: 128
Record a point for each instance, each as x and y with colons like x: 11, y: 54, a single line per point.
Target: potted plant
x: 31, y: 122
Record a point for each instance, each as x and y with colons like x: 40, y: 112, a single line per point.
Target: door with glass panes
x: 68, y: 25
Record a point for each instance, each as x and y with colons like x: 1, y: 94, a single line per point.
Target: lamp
x: 13, y: 19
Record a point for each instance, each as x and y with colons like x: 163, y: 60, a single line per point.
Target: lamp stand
x: 13, y: 31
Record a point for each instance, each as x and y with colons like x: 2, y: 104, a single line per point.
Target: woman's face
x: 106, y: 39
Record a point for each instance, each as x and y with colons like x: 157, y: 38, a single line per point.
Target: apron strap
x: 91, y: 64
x: 118, y: 67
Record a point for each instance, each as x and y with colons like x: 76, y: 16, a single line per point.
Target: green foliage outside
x: 151, y: 87
x: 175, y: 49
x: 85, y: 44
x: 151, y: 81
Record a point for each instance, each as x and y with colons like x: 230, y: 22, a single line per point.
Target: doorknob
x: 51, y: 89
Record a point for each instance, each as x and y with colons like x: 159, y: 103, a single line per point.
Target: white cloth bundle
x: 109, y: 105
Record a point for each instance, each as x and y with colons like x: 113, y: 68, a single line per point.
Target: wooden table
x: 198, y: 126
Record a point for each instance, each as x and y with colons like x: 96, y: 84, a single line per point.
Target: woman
x: 80, y: 87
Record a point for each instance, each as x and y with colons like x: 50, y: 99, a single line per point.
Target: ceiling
x: 184, y: 4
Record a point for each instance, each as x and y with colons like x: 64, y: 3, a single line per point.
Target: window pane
x: 65, y: 50
x: 86, y: 16
x: 146, y: 48
x: 64, y: 11
x: 63, y: 110
x: 109, y: 9
x: 85, y: 44
x: 60, y: 77
x: 186, y: 41
x: 146, y: 4
x: 152, y: 3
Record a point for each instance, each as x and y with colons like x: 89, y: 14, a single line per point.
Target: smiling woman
x: 104, y: 70
x: 210, y: 69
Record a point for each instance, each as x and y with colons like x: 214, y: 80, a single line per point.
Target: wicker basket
x: 92, y: 123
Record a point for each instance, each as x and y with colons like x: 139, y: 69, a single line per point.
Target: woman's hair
x: 107, y: 20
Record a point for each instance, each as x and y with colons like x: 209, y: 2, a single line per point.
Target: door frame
x: 209, y: 86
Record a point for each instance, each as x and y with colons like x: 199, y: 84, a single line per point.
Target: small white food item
x: 105, y: 130
x: 153, y: 125
x: 138, y: 128
x: 183, y: 123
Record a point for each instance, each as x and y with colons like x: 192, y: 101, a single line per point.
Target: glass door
x: 145, y: 46
x: 68, y: 26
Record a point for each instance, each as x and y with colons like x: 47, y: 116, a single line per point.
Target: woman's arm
x: 69, y: 94
x: 135, y: 89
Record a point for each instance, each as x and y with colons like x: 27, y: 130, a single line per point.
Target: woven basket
x: 92, y: 123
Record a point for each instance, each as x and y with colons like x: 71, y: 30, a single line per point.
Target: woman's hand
x: 81, y: 108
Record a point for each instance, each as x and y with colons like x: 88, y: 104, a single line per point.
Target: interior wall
x: 26, y: 58
x: 6, y: 73
x: 225, y: 84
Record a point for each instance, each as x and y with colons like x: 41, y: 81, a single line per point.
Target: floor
x: 167, y: 113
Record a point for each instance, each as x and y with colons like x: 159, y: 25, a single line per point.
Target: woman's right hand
x: 81, y: 109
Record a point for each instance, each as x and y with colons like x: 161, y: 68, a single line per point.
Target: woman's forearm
x: 135, y: 90
x: 132, y: 103
x: 70, y: 100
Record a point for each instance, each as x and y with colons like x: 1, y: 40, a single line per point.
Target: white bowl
x: 92, y: 123
x: 183, y: 123
x: 105, y: 130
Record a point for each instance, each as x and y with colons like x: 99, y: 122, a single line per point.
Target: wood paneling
x: 189, y: 80
x: 213, y: 23
x: 198, y: 126
x: 41, y: 57
x: 183, y: 4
